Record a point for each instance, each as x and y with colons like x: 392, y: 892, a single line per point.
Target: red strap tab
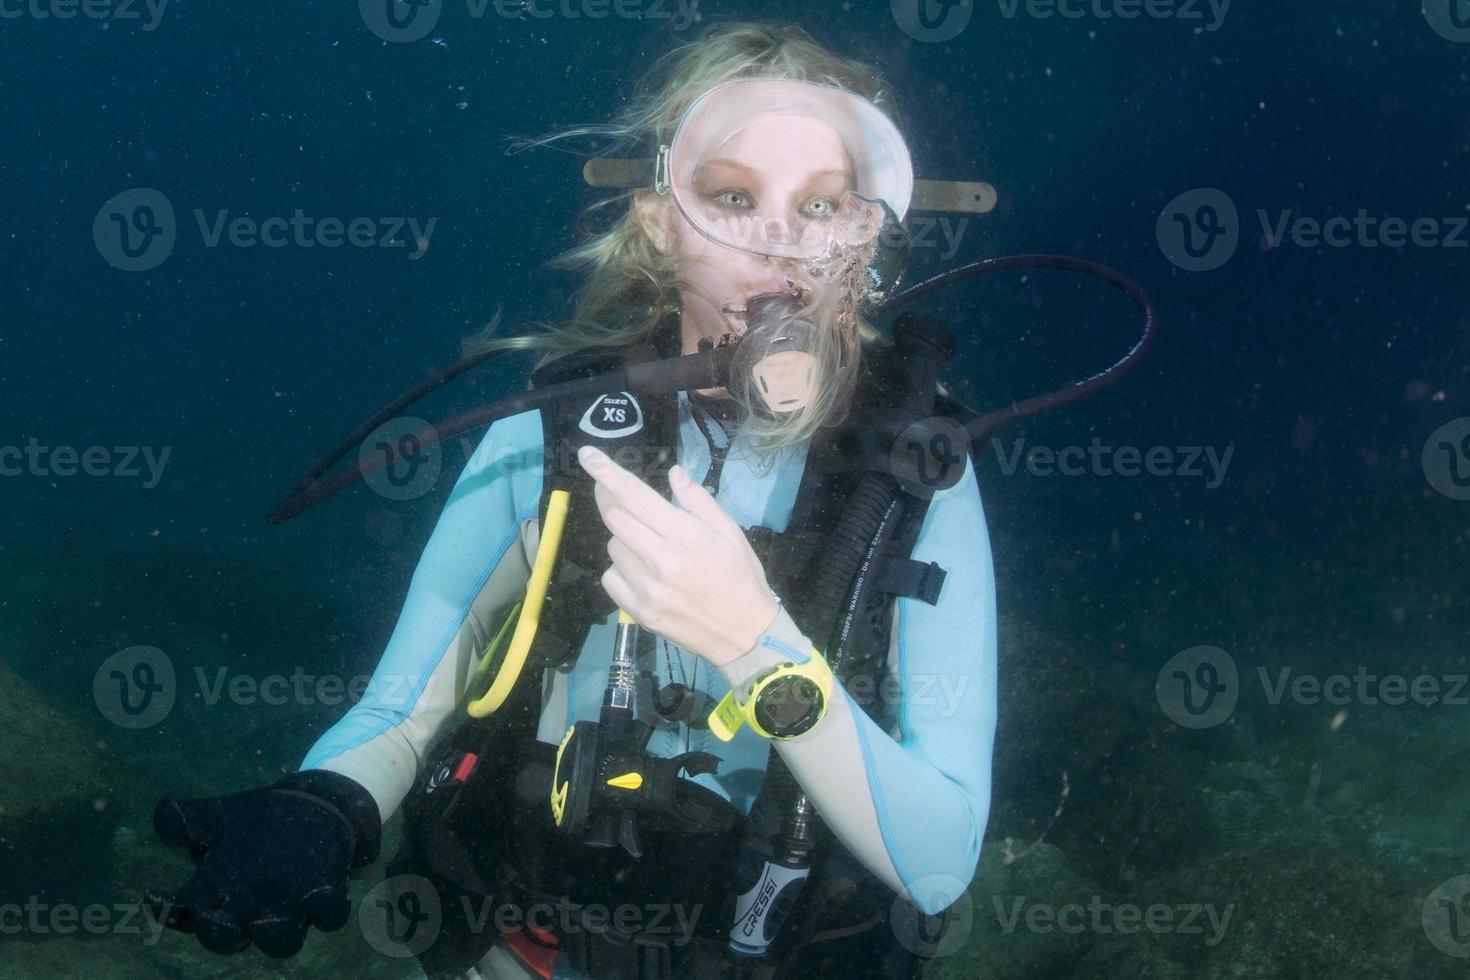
x: 465, y: 767
x: 538, y: 958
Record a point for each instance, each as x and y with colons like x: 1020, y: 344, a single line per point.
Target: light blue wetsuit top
x: 912, y: 803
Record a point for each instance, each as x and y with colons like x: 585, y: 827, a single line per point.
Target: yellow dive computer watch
x: 785, y: 700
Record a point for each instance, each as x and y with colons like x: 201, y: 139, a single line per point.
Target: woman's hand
x: 689, y: 575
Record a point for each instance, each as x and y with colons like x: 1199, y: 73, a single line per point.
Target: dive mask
x: 739, y: 168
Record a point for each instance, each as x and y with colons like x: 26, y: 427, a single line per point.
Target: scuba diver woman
x: 695, y: 677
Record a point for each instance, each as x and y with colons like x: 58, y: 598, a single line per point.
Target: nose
x: 778, y: 230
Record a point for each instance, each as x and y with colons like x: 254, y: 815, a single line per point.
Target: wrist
x: 743, y: 638
x: 781, y: 688
x: 347, y: 799
x: 781, y: 640
x: 766, y: 614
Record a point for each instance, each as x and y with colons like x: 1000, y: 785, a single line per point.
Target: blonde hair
x: 630, y: 285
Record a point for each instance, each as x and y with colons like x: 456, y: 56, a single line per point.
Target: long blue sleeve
x: 920, y: 822
x: 474, y: 566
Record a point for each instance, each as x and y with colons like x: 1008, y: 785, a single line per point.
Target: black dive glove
x: 271, y: 861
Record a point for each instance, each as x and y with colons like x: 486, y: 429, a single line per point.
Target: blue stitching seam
x: 789, y: 652
x: 881, y: 811
x: 903, y: 667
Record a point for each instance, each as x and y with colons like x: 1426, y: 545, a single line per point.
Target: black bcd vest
x: 478, y: 814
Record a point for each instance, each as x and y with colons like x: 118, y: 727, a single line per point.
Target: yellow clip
x: 628, y: 780
x: 492, y: 652
x: 727, y: 718
x: 559, y: 796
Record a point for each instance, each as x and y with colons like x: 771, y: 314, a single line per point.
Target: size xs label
x: 613, y: 416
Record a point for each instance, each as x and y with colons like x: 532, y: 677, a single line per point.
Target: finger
x: 633, y: 494
x: 194, y: 824
x: 629, y: 564
x: 280, y: 930
x: 620, y: 592
x: 202, y: 908
x: 642, y: 538
x: 165, y: 909
x: 698, y: 503
x: 219, y: 931
x: 179, y: 909
x: 328, y: 906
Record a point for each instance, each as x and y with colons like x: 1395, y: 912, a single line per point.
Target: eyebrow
x: 722, y: 161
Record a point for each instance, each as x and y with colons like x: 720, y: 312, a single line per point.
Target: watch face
x: 788, y: 706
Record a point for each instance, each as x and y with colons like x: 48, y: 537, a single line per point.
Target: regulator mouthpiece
x: 775, y: 370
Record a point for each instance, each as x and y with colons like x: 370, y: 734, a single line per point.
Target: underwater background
x: 1298, y: 544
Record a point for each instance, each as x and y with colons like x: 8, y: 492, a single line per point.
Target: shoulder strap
x: 833, y: 489
x: 640, y: 432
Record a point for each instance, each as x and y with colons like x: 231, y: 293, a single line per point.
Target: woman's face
x: 774, y: 178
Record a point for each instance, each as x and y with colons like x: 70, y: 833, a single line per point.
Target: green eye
x: 732, y: 199
x: 822, y: 207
